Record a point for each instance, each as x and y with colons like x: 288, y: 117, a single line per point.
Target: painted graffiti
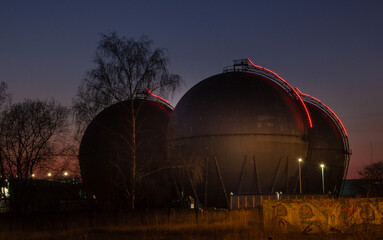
x: 318, y: 215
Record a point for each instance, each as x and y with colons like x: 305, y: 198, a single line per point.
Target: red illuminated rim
x: 295, y: 92
x: 160, y: 98
x: 324, y: 105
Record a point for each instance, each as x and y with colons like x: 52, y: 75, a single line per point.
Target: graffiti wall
x: 322, y: 215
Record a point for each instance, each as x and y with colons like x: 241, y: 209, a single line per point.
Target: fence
x: 252, y: 201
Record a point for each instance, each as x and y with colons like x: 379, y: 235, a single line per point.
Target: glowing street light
x: 49, y: 174
x: 65, y: 173
x: 322, y: 166
x: 300, y: 176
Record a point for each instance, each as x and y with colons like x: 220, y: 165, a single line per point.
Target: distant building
x: 355, y: 188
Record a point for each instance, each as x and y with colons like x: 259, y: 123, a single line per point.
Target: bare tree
x: 5, y: 98
x: 373, y: 174
x: 124, y: 67
x: 29, y: 134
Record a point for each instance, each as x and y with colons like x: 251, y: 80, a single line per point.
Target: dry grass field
x: 156, y: 225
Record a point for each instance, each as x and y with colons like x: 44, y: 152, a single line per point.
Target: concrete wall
x: 323, y: 215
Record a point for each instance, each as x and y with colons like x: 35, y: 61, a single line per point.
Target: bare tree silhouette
x: 124, y: 67
x: 373, y: 174
x: 30, y: 136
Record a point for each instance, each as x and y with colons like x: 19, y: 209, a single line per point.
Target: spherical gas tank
x: 238, y: 133
x: 106, y: 153
x: 326, y: 147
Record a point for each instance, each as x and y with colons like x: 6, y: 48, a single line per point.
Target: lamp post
x: 300, y: 176
x: 322, y: 166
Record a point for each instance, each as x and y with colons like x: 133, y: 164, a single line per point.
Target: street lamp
x: 65, y: 173
x: 300, y: 176
x: 322, y: 166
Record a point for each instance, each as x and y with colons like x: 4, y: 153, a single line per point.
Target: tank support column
x: 287, y: 174
x: 276, y: 175
x: 257, y: 175
x: 194, y: 191
x: 242, y: 172
x: 220, y: 178
x: 206, y: 175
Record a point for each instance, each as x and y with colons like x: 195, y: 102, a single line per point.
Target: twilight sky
x: 332, y: 50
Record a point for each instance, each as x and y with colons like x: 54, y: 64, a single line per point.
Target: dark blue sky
x: 332, y: 50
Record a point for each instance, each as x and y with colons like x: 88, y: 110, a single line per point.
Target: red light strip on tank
x: 162, y: 99
x: 299, y: 97
x: 333, y: 113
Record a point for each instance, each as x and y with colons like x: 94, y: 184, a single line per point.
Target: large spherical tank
x: 326, y: 147
x: 238, y: 133
x: 105, y: 154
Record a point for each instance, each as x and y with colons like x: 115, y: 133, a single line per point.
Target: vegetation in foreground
x: 157, y: 224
